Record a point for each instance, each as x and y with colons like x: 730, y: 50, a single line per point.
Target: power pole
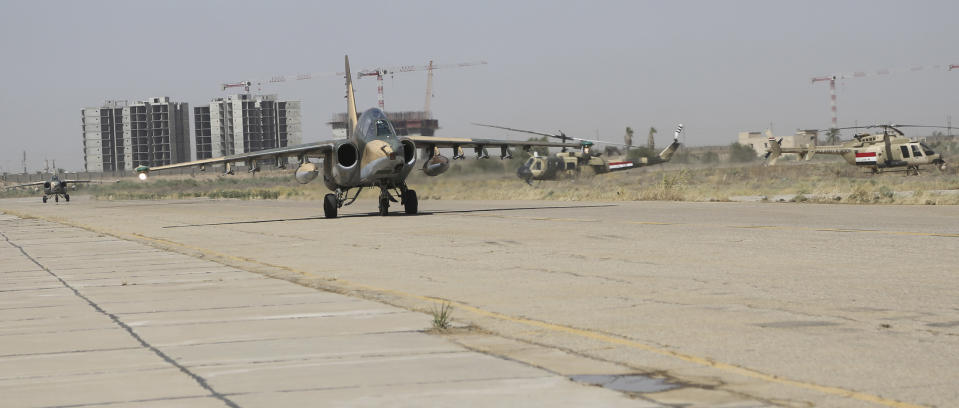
x: 24, y: 162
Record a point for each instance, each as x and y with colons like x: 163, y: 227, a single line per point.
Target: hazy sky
x: 588, y: 68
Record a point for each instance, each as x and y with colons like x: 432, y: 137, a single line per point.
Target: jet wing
x: 308, y: 149
x: 37, y: 183
x: 448, y: 142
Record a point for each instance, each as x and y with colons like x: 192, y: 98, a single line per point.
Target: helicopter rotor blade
x: 562, y: 136
x: 533, y: 132
x: 923, y: 126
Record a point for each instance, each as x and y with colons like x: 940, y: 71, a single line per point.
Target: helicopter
x: 876, y: 151
x: 569, y: 164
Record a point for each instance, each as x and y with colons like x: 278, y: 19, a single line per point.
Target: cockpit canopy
x: 927, y: 150
x: 374, y: 125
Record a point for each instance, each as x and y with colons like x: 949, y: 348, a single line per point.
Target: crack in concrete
x: 196, y: 377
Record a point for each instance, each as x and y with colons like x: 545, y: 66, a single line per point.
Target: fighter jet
x: 371, y: 156
x: 54, y: 187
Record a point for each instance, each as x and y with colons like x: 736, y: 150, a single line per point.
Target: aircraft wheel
x: 44, y: 199
x: 329, y: 206
x: 410, y: 203
x: 67, y: 197
x: 384, y: 206
x: 56, y: 198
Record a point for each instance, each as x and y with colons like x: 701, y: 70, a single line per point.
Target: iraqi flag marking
x: 620, y: 165
x: 865, y: 157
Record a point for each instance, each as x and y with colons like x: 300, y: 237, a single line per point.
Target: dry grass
x: 816, y: 181
x: 821, y: 181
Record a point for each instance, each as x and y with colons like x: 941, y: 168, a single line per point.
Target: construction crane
x: 277, y: 79
x: 379, y: 73
x: 861, y: 74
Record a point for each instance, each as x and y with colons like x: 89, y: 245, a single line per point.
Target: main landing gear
x: 332, y: 202
x: 410, y: 203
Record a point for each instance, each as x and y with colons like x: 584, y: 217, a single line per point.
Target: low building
x: 755, y: 140
x: 759, y: 141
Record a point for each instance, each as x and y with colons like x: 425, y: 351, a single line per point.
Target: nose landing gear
x: 407, y: 198
x: 384, y: 202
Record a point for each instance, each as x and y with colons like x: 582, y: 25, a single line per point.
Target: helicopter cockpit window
x: 538, y: 165
x: 905, y: 152
x: 915, y: 151
x: 927, y: 150
x: 529, y: 162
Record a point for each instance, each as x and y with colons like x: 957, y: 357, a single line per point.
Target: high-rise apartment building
x: 121, y: 136
x: 104, y: 145
x: 245, y: 123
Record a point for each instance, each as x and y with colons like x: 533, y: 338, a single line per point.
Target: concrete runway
x: 741, y: 303
x: 92, y: 320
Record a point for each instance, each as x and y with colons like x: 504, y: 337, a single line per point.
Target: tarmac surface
x: 714, y: 304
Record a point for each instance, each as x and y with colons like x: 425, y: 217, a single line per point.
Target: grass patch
x: 442, y: 314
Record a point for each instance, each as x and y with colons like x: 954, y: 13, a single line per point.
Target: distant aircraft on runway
x: 54, y: 187
x: 371, y: 156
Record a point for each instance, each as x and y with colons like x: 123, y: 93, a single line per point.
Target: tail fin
x: 667, y: 153
x: 810, y: 149
x: 773, y: 151
x: 351, y: 117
